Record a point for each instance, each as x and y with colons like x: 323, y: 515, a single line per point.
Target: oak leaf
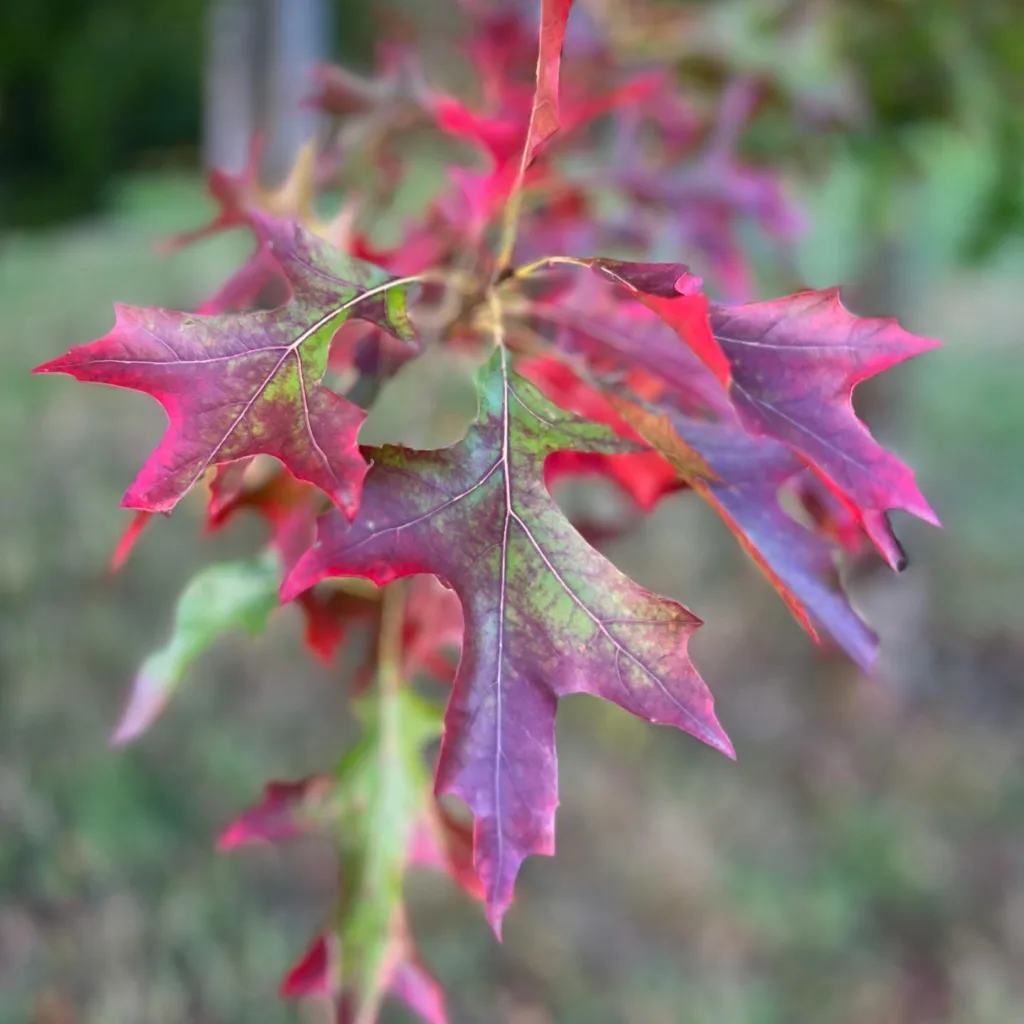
x: 746, y: 475
x: 791, y: 365
x: 544, y: 117
x: 240, y: 385
x: 546, y: 615
x: 374, y: 806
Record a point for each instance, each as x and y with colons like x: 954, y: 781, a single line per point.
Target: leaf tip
x: 688, y: 284
x: 139, y: 499
x: 715, y: 737
x: 231, y: 838
x: 496, y: 916
x: 917, y: 505
x: 57, y: 365
x: 312, y: 975
x: 147, y: 700
x: 123, y: 734
x: 929, y: 515
x: 727, y: 748
x: 297, y: 582
x: 126, y: 543
x: 132, y: 725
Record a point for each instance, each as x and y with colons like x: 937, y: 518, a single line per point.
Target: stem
x: 389, y: 643
x: 372, y: 880
x: 547, y: 261
x: 508, y: 240
x: 498, y: 317
x: 510, y: 225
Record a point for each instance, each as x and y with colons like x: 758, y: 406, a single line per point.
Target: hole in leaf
x: 429, y: 403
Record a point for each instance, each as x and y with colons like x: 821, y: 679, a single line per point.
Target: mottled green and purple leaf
x: 546, y: 615
x: 245, y: 384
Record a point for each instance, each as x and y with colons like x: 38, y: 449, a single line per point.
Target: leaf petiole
x: 529, y: 269
x: 389, y: 642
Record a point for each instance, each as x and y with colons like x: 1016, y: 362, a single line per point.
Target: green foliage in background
x: 947, y: 61
x: 85, y: 87
x: 868, y: 79
x: 88, y: 89
x: 91, y: 88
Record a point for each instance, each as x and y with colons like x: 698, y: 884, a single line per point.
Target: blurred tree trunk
x: 297, y: 40
x: 231, y: 114
x: 259, y: 57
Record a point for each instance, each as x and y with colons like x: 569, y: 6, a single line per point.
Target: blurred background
x: 862, y: 862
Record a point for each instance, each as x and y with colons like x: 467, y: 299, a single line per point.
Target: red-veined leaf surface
x: 546, y: 615
x: 661, y: 287
x: 246, y: 384
x: 795, y: 362
x: 544, y: 117
x: 747, y: 473
x: 792, y: 364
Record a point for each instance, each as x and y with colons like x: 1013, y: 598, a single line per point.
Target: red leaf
x: 432, y: 636
x: 316, y: 974
x: 798, y: 563
x: 546, y: 615
x: 483, y: 197
x: 235, y: 386
x: 249, y: 286
x: 290, y: 507
x: 328, y: 619
x: 616, y: 337
x: 750, y: 472
x: 312, y: 975
x: 544, y: 117
x: 234, y: 194
x: 674, y: 294
x: 286, y: 810
x: 644, y: 475
x: 287, y: 504
x: 501, y: 138
x: 124, y: 547
x: 445, y: 843
x: 791, y: 365
x: 419, y: 991
x: 795, y: 362
x: 226, y: 489
x: 837, y: 518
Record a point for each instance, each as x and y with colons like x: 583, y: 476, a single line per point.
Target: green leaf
x: 221, y: 597
x: 383, y: 785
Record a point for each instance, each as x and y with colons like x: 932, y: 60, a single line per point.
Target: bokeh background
x: 862, y: 862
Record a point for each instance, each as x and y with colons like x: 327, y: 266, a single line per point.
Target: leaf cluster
x: 582, y: 364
